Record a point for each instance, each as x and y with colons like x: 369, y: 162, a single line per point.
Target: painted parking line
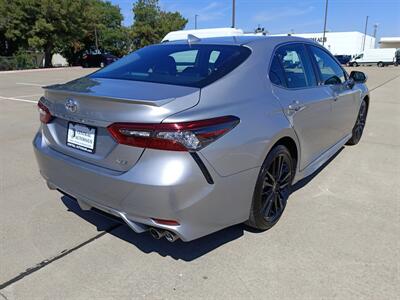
x: 27, y: 96
x: 17, y: 99
x: 30, y: 84
x: 40, y: 70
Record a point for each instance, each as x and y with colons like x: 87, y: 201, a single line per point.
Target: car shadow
x: 186, y: 251
x: 302, y: 183
x: 178, y: 250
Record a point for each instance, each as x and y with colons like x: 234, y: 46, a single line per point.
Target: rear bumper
x: 162, y: 185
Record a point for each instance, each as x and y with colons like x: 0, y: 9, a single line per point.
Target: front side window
x: 296, y: 67
x: 359, y: 56
x: 331, y: 72
x: 177, y: 64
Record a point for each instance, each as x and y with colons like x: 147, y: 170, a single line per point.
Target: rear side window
x: 330, y: 71
x: 296, y: 68
x: 177, y: 64
x: 276, y: 74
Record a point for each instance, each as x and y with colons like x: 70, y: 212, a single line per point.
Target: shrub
x: 21, y: 60
x: 7, y: 63
x: 24, y: 60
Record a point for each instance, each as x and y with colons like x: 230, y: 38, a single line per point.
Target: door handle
x: 295, y: 106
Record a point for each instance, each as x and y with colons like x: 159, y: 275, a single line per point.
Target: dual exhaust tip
x: 159, y: 233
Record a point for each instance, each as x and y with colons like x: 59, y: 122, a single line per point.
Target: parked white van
x: 381, y: 57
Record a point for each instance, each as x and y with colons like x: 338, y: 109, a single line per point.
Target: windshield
x: 178, y: 64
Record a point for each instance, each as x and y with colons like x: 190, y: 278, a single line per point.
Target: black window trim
x: 312, y: 61
x: 315, y: 64
x: 302, y: 44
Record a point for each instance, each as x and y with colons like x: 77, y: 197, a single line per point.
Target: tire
x: 354, y: 64
x: 270, y: 195
x: 396, y: 64
x: 358, y: 128
x: 380, y: 64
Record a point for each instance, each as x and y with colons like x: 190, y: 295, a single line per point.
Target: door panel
x: 310, y: 118
x: 307, y: 105
x: 344, y: 106
x: 344, y: 109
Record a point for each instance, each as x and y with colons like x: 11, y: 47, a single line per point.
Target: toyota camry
x: 185, y: 138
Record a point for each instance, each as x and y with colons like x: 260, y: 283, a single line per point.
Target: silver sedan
x: 185, y: 138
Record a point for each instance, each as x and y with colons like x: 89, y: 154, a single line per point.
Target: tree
x: 58, y: 24
x: 65, y: 26
x: 102, y: 28
x: 44, y: 25
x: 70, y: 27
x: 151, y: 24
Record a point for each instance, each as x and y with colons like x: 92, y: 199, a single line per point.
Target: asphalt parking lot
x: 339, y: 236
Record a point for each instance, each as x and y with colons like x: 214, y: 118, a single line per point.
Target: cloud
x: 213, y: 11
x: 267, y: 16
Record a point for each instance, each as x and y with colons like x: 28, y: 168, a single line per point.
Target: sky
x: 285, y: 16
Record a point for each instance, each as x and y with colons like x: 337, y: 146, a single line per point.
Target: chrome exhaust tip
x: 171, y: 237
x: 156, y: 233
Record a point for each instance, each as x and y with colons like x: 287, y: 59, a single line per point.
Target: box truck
x: 381, y: 57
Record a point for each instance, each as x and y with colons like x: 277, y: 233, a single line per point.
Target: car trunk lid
x: 96, y: 103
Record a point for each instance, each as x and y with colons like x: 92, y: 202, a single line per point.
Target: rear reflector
x: 166, y: 222
x: 183, y: 136
x: 44, y: 113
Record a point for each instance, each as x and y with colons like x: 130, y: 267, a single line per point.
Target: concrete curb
x: 39, y: 70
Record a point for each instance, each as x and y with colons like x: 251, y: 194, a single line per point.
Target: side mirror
x: 358, y: 77
x: 350, y: 83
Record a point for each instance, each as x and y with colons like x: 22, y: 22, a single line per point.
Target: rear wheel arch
x: 290, y: 143
x: 366, y: 98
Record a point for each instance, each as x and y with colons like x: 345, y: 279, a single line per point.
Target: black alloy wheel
x: 272, y: 189
x: 358, y: 128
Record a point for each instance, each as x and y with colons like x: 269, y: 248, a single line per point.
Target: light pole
x: 233, y: 13
x: 326, y: 16
x: 365, y: 32
x: 195, y: 21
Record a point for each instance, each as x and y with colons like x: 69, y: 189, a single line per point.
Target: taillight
x: 183, y: 136
x: 44, y: 113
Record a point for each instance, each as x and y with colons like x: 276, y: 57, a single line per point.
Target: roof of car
x: 242, y: 40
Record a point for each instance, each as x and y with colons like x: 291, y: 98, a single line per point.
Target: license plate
x: 81, y: 137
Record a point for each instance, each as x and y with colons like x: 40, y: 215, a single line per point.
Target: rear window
x: 188, y: 65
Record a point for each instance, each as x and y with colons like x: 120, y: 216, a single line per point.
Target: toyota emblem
x: 71, y: 105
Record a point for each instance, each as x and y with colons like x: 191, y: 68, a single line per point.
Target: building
x: 389, y: 42
x: 341, y: 43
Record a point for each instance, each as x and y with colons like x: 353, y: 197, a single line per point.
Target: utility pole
x: 375, y: 30
x: 195, y: 21
x: 365, y: 32
x: 95, y: 37
x: 326, y: 16
x: 233, y: 13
